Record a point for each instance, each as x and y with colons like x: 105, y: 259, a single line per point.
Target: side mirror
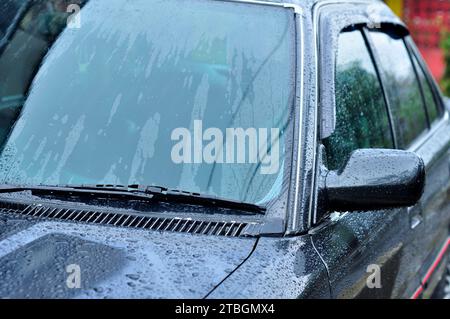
x: 374, y: 179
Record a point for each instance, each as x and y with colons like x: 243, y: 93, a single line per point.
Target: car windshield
x: 194, y: 95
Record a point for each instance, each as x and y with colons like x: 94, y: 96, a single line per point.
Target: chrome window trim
x: 436, y: 126
x: 300, y: 102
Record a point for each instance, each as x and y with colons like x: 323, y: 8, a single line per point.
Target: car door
x: 420, y: 125
x: 435, y: 203
x: 374, y: 109
x: 361, y: 246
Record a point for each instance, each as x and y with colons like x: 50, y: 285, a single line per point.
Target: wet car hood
x: 42, y: 259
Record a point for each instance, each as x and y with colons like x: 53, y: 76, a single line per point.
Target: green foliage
x: 361, y: 121
x: 445, y: 44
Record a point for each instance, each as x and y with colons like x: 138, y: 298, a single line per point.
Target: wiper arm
x: 140, y: 192
x: 173, y: 195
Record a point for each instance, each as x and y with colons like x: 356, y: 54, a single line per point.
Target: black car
x: 219, y: 149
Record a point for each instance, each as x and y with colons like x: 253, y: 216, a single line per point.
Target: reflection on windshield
x: 27, y: 30
x: 109, y: 95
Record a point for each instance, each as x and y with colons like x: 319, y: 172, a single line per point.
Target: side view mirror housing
x: 375, y: 179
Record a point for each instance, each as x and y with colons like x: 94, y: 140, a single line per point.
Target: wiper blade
x: 174, y: 195
x: 62, y: 190
x: 140, y: 192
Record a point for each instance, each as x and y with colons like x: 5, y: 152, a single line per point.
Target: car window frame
x: 423, y: 82
x: 403, y: 37
x: 419, y: 82
x: 377, y: 64
x: 437, y: 96
x: 443, y: 116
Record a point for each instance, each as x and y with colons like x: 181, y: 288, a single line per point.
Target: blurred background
x: 429, y: 23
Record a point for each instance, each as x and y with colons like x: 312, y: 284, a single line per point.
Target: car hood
x: 69, y: 260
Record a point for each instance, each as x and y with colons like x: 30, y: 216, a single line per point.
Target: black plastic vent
x: 181, y: 225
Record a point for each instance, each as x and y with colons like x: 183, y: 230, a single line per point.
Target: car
x: 219, y: 149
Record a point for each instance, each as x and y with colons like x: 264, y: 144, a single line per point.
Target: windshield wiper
x: 138, y: 192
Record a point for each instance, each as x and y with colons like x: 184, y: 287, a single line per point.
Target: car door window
x: 361, y: 115
x: 402, y: 87
x: 430, y: 102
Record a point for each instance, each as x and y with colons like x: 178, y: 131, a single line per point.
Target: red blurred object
x: 435, y: 61
x: 427, y: 20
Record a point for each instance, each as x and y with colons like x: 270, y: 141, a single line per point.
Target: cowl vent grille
x: 180, y: 225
